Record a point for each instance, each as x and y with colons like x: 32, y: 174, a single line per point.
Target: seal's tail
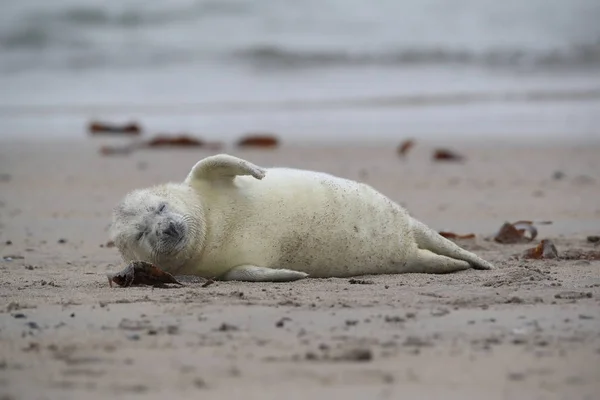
x: 428, y: 239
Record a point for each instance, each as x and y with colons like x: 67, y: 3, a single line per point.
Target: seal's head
x: 161, y: 225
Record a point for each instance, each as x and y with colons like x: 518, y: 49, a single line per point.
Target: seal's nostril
x: 171, y: 230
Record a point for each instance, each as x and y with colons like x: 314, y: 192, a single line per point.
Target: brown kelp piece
x: 258, y: 140
x: 104, y: 128
x: 515, y: 232
x: 545, y: 250
x: 174, y: 141
x: 141, y: 273
x: 405, y: 147
x: 162, y: 140
x: 452, y: 235
x: 446, y: 155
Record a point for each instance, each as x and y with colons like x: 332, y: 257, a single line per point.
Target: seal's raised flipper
x: 252, y: 273
x: 223, y: 166
x: 428, y: 239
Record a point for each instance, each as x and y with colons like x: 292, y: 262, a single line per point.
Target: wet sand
x: 527, y: 330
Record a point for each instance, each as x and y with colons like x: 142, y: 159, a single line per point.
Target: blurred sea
x: 327, y: 70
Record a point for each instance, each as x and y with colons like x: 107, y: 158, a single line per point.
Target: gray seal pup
x: 234, y: 220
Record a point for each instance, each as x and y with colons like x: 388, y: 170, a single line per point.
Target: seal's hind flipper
x: 252, y: 273
x: 429, y: 239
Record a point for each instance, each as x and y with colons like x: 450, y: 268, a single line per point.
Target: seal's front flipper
x: 424, y: 261
x: 223, y: 166
x: 252, y: 273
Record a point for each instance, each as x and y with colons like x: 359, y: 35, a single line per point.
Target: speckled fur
x: 299, y: 220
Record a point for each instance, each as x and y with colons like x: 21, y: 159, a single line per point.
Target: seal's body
x: 236, y: 221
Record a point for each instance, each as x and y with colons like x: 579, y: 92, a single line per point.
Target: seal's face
x: 151, y: 225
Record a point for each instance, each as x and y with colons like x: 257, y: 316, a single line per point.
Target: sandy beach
x: 529, y: 329
x: 512, y: 86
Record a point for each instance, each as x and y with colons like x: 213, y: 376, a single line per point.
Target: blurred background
x: 313, y: 70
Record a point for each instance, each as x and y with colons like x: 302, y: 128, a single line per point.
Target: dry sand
x: 528, y: 330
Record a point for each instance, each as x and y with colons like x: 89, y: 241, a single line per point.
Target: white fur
x: 243, y: 221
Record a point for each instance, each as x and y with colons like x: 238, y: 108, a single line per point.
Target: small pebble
x: 358, y: 355
x: 32, y: 325
x: 591, y: 239
x: 227, y: 327
x: 172, y: 329
x: 516, y: 376
x: 200, y: 383
x: 558, y: 175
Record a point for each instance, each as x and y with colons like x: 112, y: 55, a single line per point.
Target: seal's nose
x: 171, y: 230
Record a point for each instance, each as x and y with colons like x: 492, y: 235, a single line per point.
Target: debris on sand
x: 557, y: 175
x: 162, y: 140
x: 282, y: 321
x: 593, y: 239
x: 174, y: 141
x: 573, y: 295
x: 104, y: 128
x: 356, y: 354
x: 516, y: 232
x: 258, y: 140
x: 545, y: 250
x: 181, y: 141
x: 353, y: 281
x: 446, y: 155
x: 225, y: 327
x: 405, y: 146
x: 415, y: 341
x: 452, y: 235
x: 208, y: 282
x: 142, y: 273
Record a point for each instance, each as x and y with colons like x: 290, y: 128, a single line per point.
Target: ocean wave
x: 79, y: 54
x: 591, y: 94
x: 36, y: 37
x: 135, y: 17
x: 66, y: 34
x: 50, y: 27
x: 278, y: 57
